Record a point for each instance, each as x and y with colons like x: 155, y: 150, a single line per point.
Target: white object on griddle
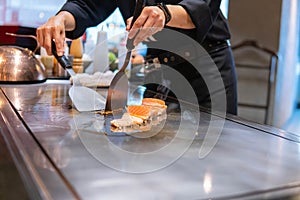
x: 97, y: 79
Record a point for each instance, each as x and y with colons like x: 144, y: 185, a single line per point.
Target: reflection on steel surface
x: 248, y: 160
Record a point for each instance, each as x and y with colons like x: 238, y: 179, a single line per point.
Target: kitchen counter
x: 63, y: 154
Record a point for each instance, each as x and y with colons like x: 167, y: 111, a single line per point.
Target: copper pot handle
x: 26, y: 36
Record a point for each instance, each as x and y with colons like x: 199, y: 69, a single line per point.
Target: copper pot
x: 19, y: 65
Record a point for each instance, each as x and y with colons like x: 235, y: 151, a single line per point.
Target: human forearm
x: 68, y: 20
x: 153, y: 19
x: 180, y: 18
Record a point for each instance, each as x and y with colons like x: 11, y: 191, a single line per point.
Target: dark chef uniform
x: 211, y: 32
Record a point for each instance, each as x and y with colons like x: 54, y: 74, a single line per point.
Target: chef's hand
x: 151, y: 20
x: 54, y: 29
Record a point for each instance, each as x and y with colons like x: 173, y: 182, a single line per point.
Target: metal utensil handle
x: 26, y: 36
x: 140, y: 4
x: 62, y: 60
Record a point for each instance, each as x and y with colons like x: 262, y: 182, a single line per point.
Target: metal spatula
x: 84, y: 98
x: 118, y: 90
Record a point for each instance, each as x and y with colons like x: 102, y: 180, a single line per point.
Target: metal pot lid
x: 19, y: 65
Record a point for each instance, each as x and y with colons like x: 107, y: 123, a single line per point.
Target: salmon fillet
x: 141, y: 111
x: 154, y: 102
x: 141, y: 117
x: 158, y: 106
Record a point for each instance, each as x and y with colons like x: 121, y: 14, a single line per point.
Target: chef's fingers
x: 153, y: 23
x: 52, y: 29
x: 138, y: 24
x: 59, y: 38
x: 144, y: 34
x: 128, y: 23
x: 44, y: 37
x: 39, y: 36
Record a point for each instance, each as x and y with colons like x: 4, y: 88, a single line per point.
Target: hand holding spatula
x: 118, y: 89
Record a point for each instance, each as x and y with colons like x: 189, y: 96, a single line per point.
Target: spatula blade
x: 117, y: 93
x: 86, y: 99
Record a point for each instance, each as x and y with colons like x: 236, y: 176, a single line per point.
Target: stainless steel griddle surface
x: 247, y: 161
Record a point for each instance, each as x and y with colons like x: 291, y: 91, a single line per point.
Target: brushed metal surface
x: 11, y: 185
x: 40, y: 176
x: 247, y: 161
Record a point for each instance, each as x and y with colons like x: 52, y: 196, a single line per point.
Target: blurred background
x: 265, y: 42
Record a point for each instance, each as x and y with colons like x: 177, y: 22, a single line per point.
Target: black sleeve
x: 87, y: 13
x: 203, y: 14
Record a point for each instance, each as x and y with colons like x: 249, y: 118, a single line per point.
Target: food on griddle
x: 98, y: 79
x: 140, y: 111
x: 158, y: 106
x: 154, y: 102
x: 141, y: 117
x: 127, y: 120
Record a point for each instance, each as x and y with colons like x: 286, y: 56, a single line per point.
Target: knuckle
x: 138, y: 23
x: 154, y: 15
x: 48, y: 28
x: 53, y: 28
x: 147, y: 9
x: 160, y: 20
